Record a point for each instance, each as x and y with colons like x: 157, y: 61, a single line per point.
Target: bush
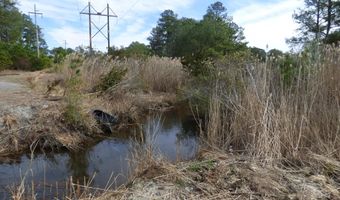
x: 5, y: 57
x: 40, y: 63
x: 17, y: 57
x: 134, y: 50
x: 112, y: 78
x: 289, y: 67
x: 72, y: 114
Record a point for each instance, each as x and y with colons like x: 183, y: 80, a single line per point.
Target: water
x: 107, y: 162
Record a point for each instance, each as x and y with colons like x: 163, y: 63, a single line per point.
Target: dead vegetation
x: 272, y: 120
x: 226, y: 176
x: 146, y: 84
x: 48, y: 131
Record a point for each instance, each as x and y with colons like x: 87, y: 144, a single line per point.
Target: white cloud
x: 68, y: 10
x: 73, y: 36
x: 268, y: 23
x: 122, y: 39
x: 264, y: 22
x: 65, y: 22
x: 60, y: 11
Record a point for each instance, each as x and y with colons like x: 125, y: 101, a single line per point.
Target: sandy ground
x: 21, y: 104
x: 23, y: 94
x: 18, y: 101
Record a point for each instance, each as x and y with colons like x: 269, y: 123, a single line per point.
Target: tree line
x: 18, y: 40
x: 196, y: 42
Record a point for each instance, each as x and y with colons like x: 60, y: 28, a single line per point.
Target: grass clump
x: 162, y: 74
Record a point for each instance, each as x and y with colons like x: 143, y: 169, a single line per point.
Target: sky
x: 266, y: 23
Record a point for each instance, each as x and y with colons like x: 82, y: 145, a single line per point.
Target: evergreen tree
x: 316, y: 21
x: 162, y: 34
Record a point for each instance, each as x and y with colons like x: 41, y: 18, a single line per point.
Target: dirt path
x: 14, y: 90
x: 27, y: 116
x: 18, y: 102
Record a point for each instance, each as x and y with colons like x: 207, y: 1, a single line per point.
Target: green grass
x: 199, y: 166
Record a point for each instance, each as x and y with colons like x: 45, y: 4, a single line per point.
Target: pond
x: 172, y: 134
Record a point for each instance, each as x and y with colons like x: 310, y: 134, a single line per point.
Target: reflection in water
x: 105, y: 163
x: 77, y: 165
x: 172, y: 136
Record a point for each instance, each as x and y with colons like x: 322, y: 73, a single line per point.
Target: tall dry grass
x: 162, y: 74
x: 153, y: 74
x: 267, y: 118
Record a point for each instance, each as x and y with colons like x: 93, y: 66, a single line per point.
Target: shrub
x: 112, y: 78
x: 5, y: 58
x: 72, y: 114
x: 15, y: 56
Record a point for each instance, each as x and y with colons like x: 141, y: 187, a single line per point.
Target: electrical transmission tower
x: 90, y: 10
x: 35, y: 13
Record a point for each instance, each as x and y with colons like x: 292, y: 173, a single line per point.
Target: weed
x: 203, y: 165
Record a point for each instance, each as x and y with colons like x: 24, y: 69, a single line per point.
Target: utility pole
x: 90, y: 28
x: 65, y: 44
x: 90, y: 10
x: 108, y: 26
x: 35, y: 13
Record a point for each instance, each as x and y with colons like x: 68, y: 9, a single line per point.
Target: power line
x: 35, y: 13
x: 128, y: 10
x: 90, y: 11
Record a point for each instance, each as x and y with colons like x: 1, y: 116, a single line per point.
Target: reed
x: 272, y: 120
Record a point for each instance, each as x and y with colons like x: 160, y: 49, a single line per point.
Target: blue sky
x: 264, y: 22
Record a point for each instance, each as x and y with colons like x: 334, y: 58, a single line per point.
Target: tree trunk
x: 317, y: 35
x: 329, y: 16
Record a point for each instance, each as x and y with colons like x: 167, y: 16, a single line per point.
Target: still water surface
x: 174, y: 137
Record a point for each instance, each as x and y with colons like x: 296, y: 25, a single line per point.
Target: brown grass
x: 273, y: 121
x: 148, y: 84
x: 153, y: 74
x: 162, y: 74
x: 225, y: 176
